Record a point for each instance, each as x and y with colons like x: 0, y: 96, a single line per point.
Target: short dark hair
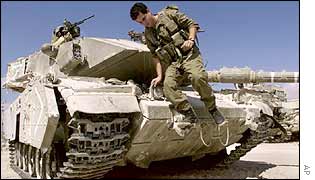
x: 136, y: 9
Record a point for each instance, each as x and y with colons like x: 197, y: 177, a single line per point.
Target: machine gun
x: 64, y: 33
x: 137, y: 36
x: 73, y: 28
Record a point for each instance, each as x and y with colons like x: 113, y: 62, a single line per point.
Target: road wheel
x: 47, y: 165
x: 40, y: 164
x: 31, y: 161
x: 25, y: 157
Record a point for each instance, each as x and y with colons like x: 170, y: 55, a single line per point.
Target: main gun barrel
x: 246, y: 75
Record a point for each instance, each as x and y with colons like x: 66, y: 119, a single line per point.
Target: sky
x: 263, y: 35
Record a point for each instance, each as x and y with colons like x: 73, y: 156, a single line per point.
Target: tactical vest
x: 169, y: 37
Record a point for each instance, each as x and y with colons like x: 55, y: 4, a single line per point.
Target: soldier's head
x: 140, y: 13
x: 58, y: 31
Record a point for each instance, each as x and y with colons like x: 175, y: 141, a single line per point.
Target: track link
x: 95, y: 145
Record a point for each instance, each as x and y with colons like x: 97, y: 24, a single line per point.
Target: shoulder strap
x: 170, y: 9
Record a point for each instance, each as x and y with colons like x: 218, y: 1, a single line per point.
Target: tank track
x: 97, y: 143
x: 249, y: 141
x: 11, y: 152
x: 277, y: 136
x: 87, y: 158
x: 290, y: 127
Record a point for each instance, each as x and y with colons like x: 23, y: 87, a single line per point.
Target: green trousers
x: 194, y: 70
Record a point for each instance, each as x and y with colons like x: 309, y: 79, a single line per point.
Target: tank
x: 251, y: 86
x: 91, y: 108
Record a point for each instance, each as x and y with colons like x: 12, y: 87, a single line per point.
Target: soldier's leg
x: 199, y: 80
x: 170, y: 88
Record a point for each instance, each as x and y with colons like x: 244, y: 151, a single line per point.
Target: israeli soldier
x: 170, y: 36
x: 59, y: 36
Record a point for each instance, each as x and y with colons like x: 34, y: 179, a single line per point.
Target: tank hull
x: 90, y: 109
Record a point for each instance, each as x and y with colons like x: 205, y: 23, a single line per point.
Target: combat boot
x: 190, y: 116
x: 216, y: 115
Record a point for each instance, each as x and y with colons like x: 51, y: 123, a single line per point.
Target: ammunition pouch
x: 179, y: 38
x: 170, y: 25
x: 163, y: 55
x: 171, y: 51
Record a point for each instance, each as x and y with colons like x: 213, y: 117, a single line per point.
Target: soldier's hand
x: 156, y: 81
x: 188, y: 44
x: 68, y: 36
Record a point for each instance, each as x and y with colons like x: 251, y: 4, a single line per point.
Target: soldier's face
x: 145, y: 19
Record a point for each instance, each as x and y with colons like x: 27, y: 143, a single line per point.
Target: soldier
x: 59, y: 36
x: 170, y: 36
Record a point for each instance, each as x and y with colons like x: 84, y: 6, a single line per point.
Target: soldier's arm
x: 158, y: 66
x: 183, y: 21
x: 54, y: 38
x: 158, y: 69
x: 59, y: 41
x: 156, y: 61
x: 192, y: 32
x: 68, y: 36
